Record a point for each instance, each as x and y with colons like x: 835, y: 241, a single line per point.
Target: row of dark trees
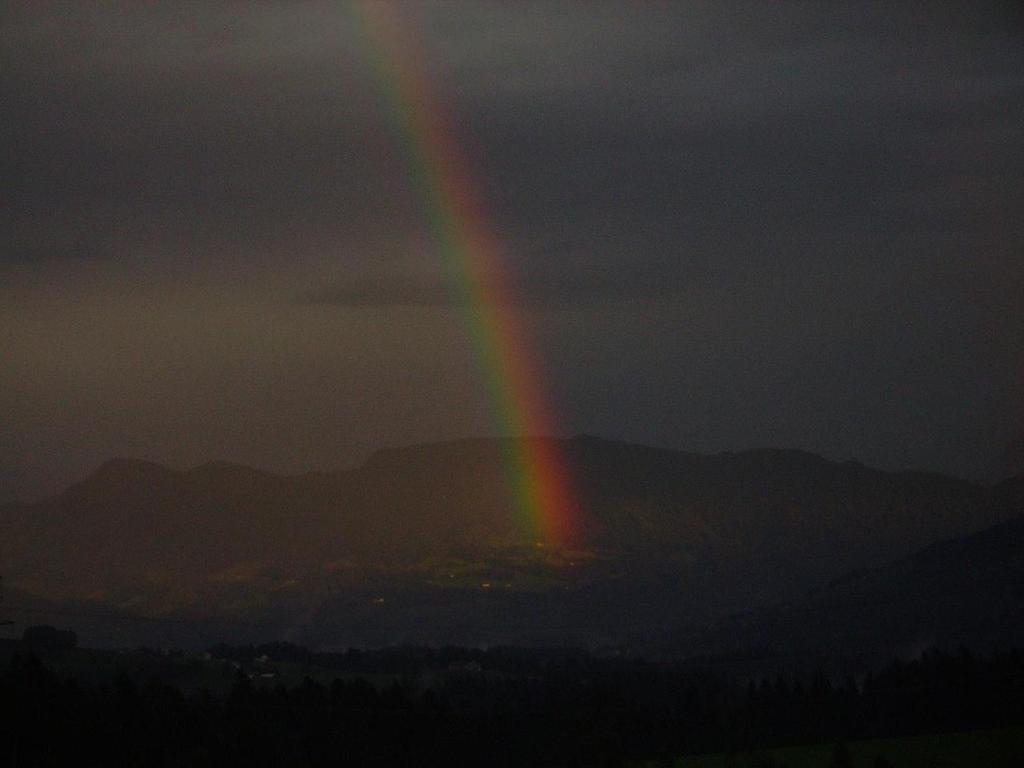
x: 503, y: 709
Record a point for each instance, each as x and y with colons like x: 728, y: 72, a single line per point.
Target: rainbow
x: 461, y: 230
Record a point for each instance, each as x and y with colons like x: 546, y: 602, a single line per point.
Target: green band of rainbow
x: 462, y: 232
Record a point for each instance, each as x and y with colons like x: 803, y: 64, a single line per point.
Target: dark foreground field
x: 281, y: 705
x: 990, y: 748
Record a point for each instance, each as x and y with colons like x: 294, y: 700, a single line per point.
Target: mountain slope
x: 968, y: 590
x: 664, y: 534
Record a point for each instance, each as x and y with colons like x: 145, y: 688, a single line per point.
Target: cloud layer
x: 730, y: 224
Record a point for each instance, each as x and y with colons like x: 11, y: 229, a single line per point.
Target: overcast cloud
x: 731, y: 224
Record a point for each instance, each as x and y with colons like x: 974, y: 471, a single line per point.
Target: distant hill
x: 963, y: 591
x: 424, y: 543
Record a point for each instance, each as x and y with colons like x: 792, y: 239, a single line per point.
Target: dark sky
x: 733, y: 224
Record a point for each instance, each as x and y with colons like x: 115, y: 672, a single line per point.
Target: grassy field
x: 979, y: 749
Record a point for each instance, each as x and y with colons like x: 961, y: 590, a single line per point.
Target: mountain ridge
x: 664, y: 534
x: 964, y: 591
x: 122, y: 464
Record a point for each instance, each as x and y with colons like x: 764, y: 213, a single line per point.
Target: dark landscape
x: 531, y: 384
x: 642, y: 643
x: 421, y: 546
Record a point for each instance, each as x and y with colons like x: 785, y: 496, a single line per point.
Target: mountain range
x: 966, y: 591
x: 423, y: 544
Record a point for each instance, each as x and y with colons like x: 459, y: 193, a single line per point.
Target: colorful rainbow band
x: 460, y: 228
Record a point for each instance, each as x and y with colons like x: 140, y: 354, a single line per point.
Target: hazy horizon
x: 186, y: 466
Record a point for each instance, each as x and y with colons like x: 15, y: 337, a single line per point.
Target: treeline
x: 556, y: 710
x: 409, y: 659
